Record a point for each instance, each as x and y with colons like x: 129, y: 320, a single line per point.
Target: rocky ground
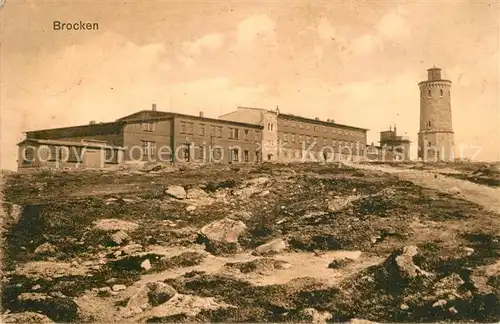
x: 262, y: 243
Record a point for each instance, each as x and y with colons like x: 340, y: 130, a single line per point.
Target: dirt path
x: 485, y: 196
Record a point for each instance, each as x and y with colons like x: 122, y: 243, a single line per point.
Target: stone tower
x: 435, y: 137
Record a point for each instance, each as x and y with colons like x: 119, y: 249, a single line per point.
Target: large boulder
x: 404, y: 262
x: 177, y: 192
x: 222, y: 235
x: 150, y: 295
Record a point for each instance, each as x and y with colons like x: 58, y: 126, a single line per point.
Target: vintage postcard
x: 249, y: 161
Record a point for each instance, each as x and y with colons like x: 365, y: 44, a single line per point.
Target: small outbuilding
x: 61, y: 154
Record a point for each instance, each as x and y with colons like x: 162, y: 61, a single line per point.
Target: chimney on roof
x: 153, y: 108
x: 201, y: 114
x: 316, y: 118
x: 92, y: 122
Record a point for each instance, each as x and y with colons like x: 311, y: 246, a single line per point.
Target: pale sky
x: 356, y: 62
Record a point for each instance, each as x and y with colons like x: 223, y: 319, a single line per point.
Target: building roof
x: 319, y: 122
x: 82, y: 143
x: 163, y: 115
x: 78, y: 131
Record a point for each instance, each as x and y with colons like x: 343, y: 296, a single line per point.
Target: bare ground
x: 348, y: 232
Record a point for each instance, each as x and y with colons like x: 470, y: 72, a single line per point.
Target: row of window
x: 217, y: 131
x: 429, y: 93
x: 308, y: 139
x: 290, y: 153
x: 322, y: 128
x: 149, y: 149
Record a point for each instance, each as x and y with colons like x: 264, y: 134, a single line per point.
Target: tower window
x: 429, y: 124
x: 428, y: 93
x: 441, y: 92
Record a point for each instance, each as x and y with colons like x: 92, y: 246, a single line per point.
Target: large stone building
x: 435, y: 137
x: 147, y: 135
x: 288, y: 138
x: 245, y: 135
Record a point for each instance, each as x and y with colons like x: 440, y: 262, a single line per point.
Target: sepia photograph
x: 250, y: 161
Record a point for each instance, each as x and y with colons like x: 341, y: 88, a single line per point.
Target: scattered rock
x: 224, y: 230
x: 196, y: 193
x: 120, y: 237
x: 339, y: 263
x: 274, y: 246
x: 45, y: 248
x: 150, y: 294
x: 241, y: 215
x: 405, y: 264
x: 314, y: 316
x: 258, y: 181
x: 339, y: 203
x: 185, y: 304
x: 113, y: 225
x: 36, y: 287
x: 159, y: 293
x: 264, y: 193
x: 440, y: 303
x: 146, y: 264
x: 177, y: 192
x: 119, y: 287
x: 190, y: 208
x: 131, y: 249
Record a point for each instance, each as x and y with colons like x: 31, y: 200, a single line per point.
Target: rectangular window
x: 185, y: 152
x: 148, y: 127
x: 301, y: 138
x: 75, y: 154
x: 301, y: 126
x: 148, y: 148
x: 308, y: 139
x: 199, y: 153
x: 186, y: 128
x: 233, y: 133
x: 285, y: 138
x: 218, y: 131
x: 293, y: 124
x: 111, y: 155
x: 29, y: 154
x: 308, y: 126
x: 201, y: 131
x: 235, y: 155
x: 293, y: 138
x: 217, y: 153
x: 246, y: 134
x: 245, y: 156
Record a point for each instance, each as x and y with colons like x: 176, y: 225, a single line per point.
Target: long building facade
x: 289, y: 138
x: 247, y: 135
